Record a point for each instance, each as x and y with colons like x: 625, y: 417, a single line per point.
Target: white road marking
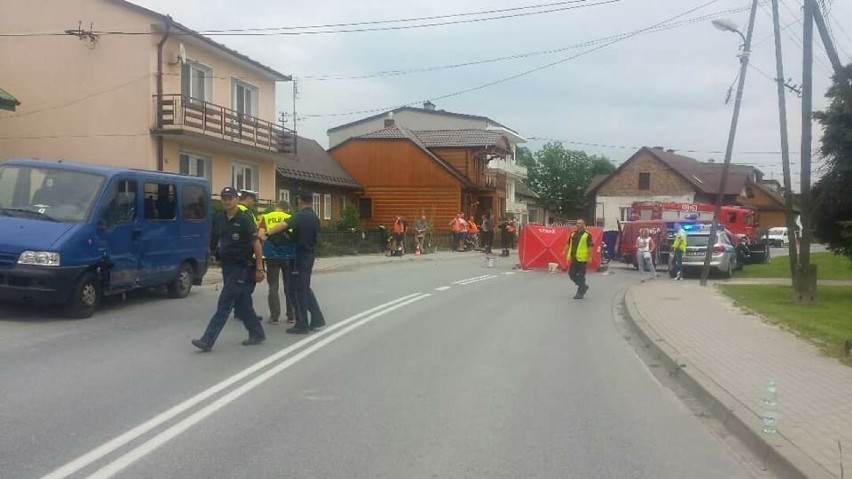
x: 508, y: 272
x: 160, y: 439
x: 476, y: 280
x: 442, y: 288
x: 462, y: 281
x: 131, y: 435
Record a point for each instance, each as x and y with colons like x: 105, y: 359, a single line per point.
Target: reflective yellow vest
x: 679, y: 241
x: 582, y: 248
x: 253, y: 215
x: 274, y: 217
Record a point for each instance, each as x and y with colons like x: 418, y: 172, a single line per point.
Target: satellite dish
x: 181, y: 54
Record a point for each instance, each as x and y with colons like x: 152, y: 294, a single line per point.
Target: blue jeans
x: 306, y: 301
x: 677, y: 263
x: 236, y: 292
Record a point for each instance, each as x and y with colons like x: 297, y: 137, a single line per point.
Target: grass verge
x: 828, y: 323
x: 828, y: 266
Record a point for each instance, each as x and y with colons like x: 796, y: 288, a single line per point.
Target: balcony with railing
x: 179, y: 114
x: 509, y: 167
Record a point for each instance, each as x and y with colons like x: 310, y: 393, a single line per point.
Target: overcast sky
x: 664, y: 88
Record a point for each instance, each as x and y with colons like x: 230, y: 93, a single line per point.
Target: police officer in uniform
x: 248, y: 199
x: 577, y: 251
x: 234, y: 241
x: 279, y: 252
x: 306, y: 227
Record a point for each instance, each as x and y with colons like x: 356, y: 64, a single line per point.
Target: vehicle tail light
x: 719, y: 248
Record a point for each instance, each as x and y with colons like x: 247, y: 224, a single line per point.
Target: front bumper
x: 40, y: 284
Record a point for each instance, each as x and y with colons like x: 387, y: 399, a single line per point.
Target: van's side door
x: 160, y: 232
x: 119, y: 233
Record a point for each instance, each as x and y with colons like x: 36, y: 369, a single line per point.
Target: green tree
x: 561, y: 176
x: 524, y: 157
x: 832, y: 202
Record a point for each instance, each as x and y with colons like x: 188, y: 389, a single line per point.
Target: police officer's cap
x: 248, y: 194
x: 229, y: 191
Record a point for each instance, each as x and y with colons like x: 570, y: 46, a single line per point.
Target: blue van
x: 72, y: 233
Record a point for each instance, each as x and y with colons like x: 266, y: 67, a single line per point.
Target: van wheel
x: 85, y: 297
x: 182, y: 284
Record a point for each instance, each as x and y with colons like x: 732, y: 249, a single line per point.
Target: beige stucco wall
x: 221, y: 165
x: 79, y: 100
x: 93, y: 102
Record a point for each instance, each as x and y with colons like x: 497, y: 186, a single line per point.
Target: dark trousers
x: 487, y: 240
x: 306, y: 301
x: 278, y: 271
x: 577, y: 273
x: 238, y: 284
x: 677, y: 263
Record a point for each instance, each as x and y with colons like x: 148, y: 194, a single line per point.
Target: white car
x: 778, y: 236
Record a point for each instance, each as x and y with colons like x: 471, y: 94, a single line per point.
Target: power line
x: 524, y: 73
x: 386, y: 73
x: 290, y: 32
x: 78, y: 100
x: 630, y: 147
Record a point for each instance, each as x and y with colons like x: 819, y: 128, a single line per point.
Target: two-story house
x: 437, y: 173
x: 657, y: 174
x: 130, y: 87
x: 502, y: 170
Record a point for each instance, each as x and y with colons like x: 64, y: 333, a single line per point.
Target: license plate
x: 695, y: 253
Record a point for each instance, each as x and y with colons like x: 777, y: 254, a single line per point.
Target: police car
x: 724, y: 259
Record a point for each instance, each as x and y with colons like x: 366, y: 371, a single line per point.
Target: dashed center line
x: 442, y: 288
x: 470, y: 280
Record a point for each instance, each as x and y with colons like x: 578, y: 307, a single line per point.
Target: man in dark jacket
x: 235, y: 243
x: 578, y: 251
x: 305, y: 225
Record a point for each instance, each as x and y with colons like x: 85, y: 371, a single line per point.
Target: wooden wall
x: 400, y: 179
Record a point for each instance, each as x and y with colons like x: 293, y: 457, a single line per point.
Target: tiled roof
x: 705, y: 177
x: 315, y: 165
x: 443, y: 138
x: 596, y: 181
x: 422, y: 110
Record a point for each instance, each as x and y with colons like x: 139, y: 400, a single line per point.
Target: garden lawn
x: 828, y: 266
x: 829, y: 323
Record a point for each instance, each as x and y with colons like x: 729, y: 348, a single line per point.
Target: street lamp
x: 729, y: 26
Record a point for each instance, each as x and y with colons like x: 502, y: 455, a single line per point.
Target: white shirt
x: 643, y: 245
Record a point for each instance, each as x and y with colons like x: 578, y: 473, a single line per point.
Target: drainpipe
x: 159, y: 99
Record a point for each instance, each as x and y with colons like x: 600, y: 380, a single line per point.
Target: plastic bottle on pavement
x: 770, y: 409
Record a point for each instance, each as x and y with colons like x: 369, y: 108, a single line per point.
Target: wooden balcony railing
x: 193, y: 115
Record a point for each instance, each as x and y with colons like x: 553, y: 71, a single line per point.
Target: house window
x: 365, y: 208
x: 317, y: 202
x: 624, y: 213
x: 160, y: 201
x: 644, y: 181
x: 244, y: 176
x: 326, y: 207
x: 194, y: 165
x: 196, y: 81
x: 245, y: 98
x: 343, y: 204
x: 194, y: 202
x: 284, y: 195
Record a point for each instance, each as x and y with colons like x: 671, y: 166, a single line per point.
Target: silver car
x: 724, y: 258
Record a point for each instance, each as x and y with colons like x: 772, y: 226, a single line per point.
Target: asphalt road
x: 432, y: 370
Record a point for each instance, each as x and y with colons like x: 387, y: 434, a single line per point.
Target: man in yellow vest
x: 280, y: 252
x: 577, y: 251
x: 248, y: 199
x: 678, y: 248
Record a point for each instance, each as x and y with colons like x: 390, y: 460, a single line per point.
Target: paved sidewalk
x: 336, y: 263
x: 731, y: 355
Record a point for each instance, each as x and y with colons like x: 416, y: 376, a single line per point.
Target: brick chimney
x: 389, y: 121
x: 428, y: 105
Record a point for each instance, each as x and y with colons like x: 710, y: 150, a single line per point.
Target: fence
x: 344, y: 243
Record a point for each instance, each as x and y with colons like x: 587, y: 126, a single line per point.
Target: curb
x: 777, y: 453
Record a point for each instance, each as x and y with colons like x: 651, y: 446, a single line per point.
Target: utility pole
x: 806, y: 276
x: 785, y: 145
x: 705, y: 272
x: 295, y: 120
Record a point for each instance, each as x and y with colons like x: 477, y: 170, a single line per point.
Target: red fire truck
x: 740, y: 220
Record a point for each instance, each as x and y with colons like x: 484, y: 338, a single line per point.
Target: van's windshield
x: 47, y: 194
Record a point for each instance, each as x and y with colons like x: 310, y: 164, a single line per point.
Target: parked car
x: 778, y: 237
x: 724, y: 258
x: 72, y: 233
